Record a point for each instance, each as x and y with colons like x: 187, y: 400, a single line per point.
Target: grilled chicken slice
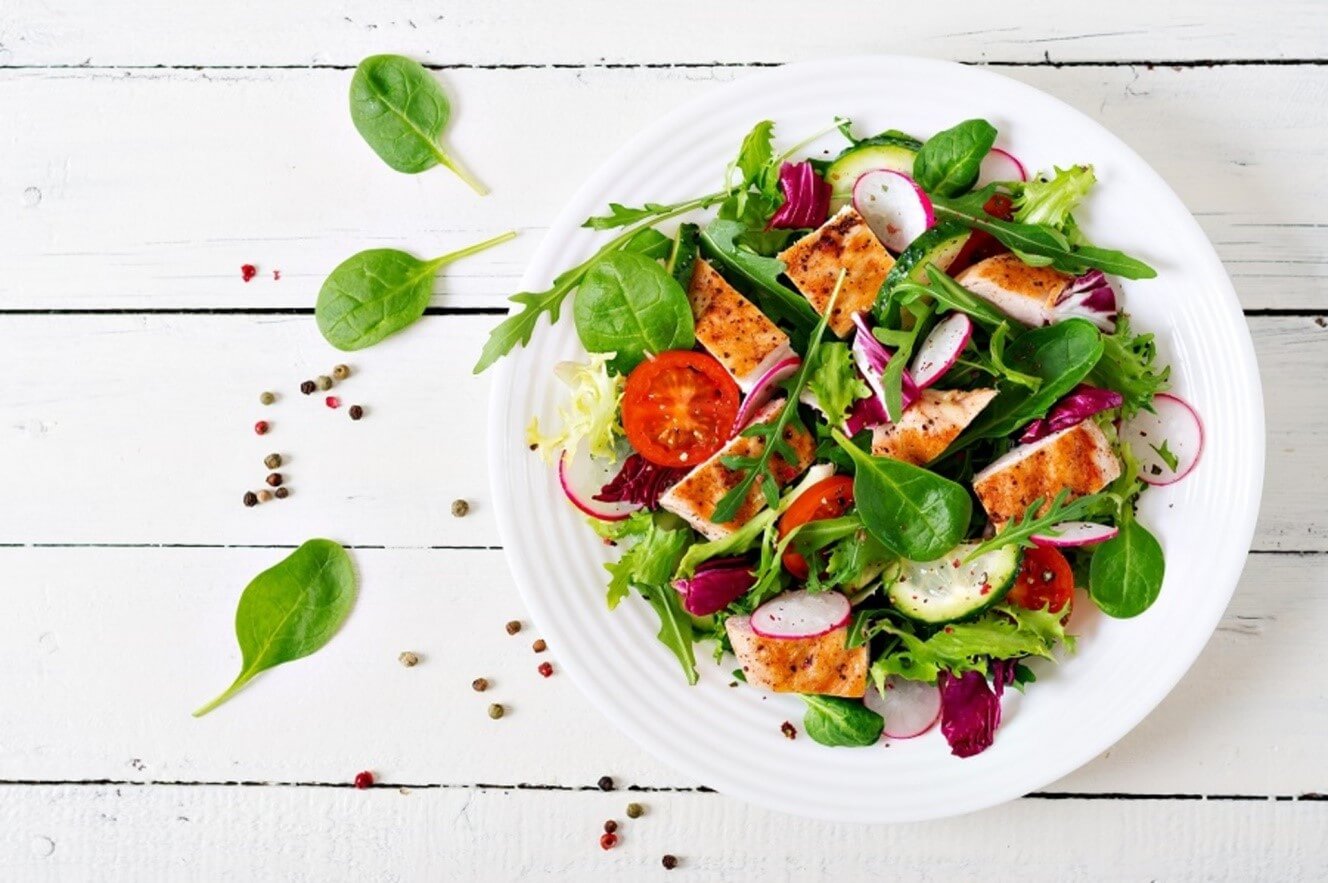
x: 929, y: 425
x: 732, y: 329
x: 1023, y: 293
x: 843, y: 242
x: 1078, y: 459
x: 696, y: 496
x: 799, y: 665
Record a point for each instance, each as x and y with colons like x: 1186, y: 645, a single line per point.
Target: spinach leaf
x: 682, y: 255
x: 1126, y: 574
x: 401, y: 111
x: 629, y: 305
x: 914, y: 513
x: 379, y: 292
x: 719, y: 241
x: 841, y: 723
x: 291, y: 610
x: 948, y: 162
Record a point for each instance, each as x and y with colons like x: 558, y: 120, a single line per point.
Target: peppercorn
x: 545, y: 669
x: 364, y: 779
x: 408, y: 659
x: 356, y: 412
x: 460, y: 508
x: 496, y: 711
x: 333, y: 402
x: 340, y: 372
x: 323, y: 382
x: 789, y: 731
x: 250, y: 498
x: 272, y: 461
x: 608, y: 841
x: 264, y: 496
x: 307, y: 387
x: 261, y: 427
x: 635, y: 810
x: 479, y: 685
x: 282, y: 493
x: 669, y: 862
x: 513, y: 627
x: 273, y: 479
x: 539, y: 646
x: 605, y: 783
x: 267, y: 398
x: 610, y: 826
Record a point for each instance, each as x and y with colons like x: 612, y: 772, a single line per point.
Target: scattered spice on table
x: 605, y: 783
x: 496, y: 711
x: 307, y: 387
x: 273, y: 479
x: 514, y: 626
x: 479, y: 685
x: 250, y: 498
x: 282, y: 493
x: 789, y: 731
x: 364, y: 779
x: 264, y: 496
x: 323, y: 382
x: 669, y: 862
x: 333, y: 402
x: 248, y: 271
x: 409, y: 659
x: 272, y: 461
x: 460, y: 508
x: 608, y: 841
x: 356, y: 412
x: 610, y: 826
x: 267, y: 397
x: 539, y: 646
x: 546, y: 669
x: 276, y: 275
x: 635, y: 810
x: 261, y: 427
x: 340, y: 372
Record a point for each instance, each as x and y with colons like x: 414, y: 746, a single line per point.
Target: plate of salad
x: 876, y: 459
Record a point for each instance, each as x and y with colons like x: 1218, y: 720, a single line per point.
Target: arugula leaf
x: 1126, y: 573
x: 630, y: 306
x: 756, y: 154
x: 949, y: 295
x: 1167, y: 455
x: 1021, y: 532
x: 949, y: 161
x: 996, y: 347
x: 836, y: 382
x: 675, y: 627
x: 622, y: 216
x: 720, y: 242
x: 849, y: 563
x: 1049, y: 201
x: 841, y: 723
x: 1127, y: 366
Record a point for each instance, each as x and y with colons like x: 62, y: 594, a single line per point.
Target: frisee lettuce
x: 1049, y: 200
x: 590, y: 414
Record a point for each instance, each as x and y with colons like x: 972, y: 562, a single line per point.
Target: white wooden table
x: 149, y: 149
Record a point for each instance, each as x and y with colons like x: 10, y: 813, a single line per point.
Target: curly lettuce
x: 590, y: 415
x: 1049, y: 201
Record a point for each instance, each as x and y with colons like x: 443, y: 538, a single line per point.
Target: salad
x: 868, y: 428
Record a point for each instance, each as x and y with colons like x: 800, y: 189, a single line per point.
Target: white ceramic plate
x: 730, y: 739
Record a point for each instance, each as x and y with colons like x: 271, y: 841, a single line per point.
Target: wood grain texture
x: 252, y: 32
x: 148, y: 189
x: 297, y: 835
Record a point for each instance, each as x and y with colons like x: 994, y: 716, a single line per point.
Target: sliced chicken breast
x: 1023, y: 293
x: 1078, y: 459
x: 929, y: 425
x: 823, y: 665
x: 733, y: 329
x: 696, y: 496
x: 843, y: 242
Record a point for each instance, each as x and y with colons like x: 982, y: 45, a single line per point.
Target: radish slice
x: 762, y: 390
x: 910, y: 708
x: 1173, y: 422
x: 801, y: 614
x: 581, y: 477
x: 894, y: 207
x: 1069, y: 534
x: 941, y: 349
x: 1000, y: 165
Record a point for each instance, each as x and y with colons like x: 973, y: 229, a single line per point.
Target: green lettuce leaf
x: 1049, y: 201
x: 836, y: 382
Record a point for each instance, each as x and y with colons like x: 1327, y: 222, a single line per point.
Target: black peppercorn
x: 282, y: 493
x: 308, y: 387
x: 610, y: 826
x: 669, y: 862
x: 605, y: 783
x: 274, y: 479
x: 250, y: 498
x: 356, y: 412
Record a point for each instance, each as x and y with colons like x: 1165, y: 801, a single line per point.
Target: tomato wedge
x: 828, y: 498
x: 679, y: 407
x: 1045, y: 580
x: 980, y: 244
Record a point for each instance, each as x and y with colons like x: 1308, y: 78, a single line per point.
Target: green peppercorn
x: 341, y: 372
x: 267, y: 398
x: 282, y: 493
x: 272, y: 461
x: 408, y: 659
x: 460, y: 508
x: 323, y: 382
x: 635, y: 810
x: 496, y: 711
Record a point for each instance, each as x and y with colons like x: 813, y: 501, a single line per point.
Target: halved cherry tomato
x: 679, y: 407
x: 828, y: 498
x: 980, y: 244
x: 1044, y: 580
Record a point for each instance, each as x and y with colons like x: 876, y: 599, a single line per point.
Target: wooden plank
x: 165, y: 182
x: 168, y: 404
x: 164, y: 617
x: 250, y: 32
x: 67, y: 832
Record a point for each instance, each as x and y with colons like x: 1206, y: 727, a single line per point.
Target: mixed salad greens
x: 869, y: 427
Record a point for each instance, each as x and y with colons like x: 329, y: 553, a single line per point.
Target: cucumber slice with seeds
x: 950, y: 588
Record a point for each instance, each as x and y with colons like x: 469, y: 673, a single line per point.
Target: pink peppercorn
x: 248, y: 271
x: 364, y: 779
x: 545, y: 669
x: 261, y: 427
x: 333, y: 402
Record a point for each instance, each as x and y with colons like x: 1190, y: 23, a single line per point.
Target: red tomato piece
x: 1045, y: 580
x: 679, y: 408
x: 828, y: 498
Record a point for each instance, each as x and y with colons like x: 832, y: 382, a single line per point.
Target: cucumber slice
x: 844, y: 172
x: 940, y: 246
x: 938, y: 592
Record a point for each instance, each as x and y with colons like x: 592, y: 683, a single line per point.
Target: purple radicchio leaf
x: 871, y: 356
x: 806, y: 198
x: 1082, y: 402
x: 715, y: 585
x: 640, y: 481
x: 1090, y: 297
x: 970, y: 710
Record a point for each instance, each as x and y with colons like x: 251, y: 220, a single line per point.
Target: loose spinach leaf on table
x: 379, y: 292
x: 841, y: 723
x: 630, y: 305
x: 1126, y: 573
x: 949, y: 161
x: 401, y: 111
x: 913, y: 512
x: 720, y: 242
x: 291, y: 610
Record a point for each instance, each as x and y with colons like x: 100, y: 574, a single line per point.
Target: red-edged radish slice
x: 941, y: 349
x: 910, y: 708
x: 581, y: 477
x: 1069, y: 534
x: 1000, y: 165
x: 1173, y: 422
x: 894, y: 207
x: 801, y: 614
x: 762, y: 391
